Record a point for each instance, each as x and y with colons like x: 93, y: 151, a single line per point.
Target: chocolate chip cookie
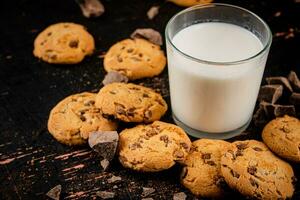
x: 282, y: 136
x: 72, y: 119
x: 252, y: 169
x: 153, y: 147
x: 202, y: 171
x: 130, y: 103
x: 187, y: 3
x: 63, y: 43
x: 135, y: 58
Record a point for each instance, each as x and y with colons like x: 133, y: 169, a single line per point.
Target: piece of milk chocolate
x: 149, y: 34
x: 91, y: 8
x: 270, y: 93
x: 280, y: 80
x: 113, y: 76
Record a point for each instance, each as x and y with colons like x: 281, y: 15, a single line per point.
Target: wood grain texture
x: 31, y: 161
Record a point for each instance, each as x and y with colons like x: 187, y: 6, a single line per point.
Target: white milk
x: 214, y: 98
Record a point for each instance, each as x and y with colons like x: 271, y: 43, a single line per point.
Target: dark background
x: 31, y: 161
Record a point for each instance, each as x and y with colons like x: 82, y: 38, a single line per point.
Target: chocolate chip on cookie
x: 75, y: 117
x: 202, y: 171
x: 252, y: 169
x: 153, y: 147
x: 63, y: 43
x: 130, y: 102
x: 282, y: 136
x: 137, y: 58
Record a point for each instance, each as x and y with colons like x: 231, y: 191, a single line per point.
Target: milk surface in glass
x: 210, y: 97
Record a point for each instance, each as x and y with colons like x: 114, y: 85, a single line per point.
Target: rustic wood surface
x: 31, y: 161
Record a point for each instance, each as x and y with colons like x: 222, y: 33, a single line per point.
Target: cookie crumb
x: 113, y: 77
x: 179, y: 196
x: 149, y: 34
x: 104, y: 143
x: 91, y: 8
x: 147, y: 191
x: 114, y: 179
x: 105, y: 194
x: 54, y: 193
x: 152, y: 12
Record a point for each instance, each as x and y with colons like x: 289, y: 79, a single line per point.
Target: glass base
x: 201, y: 134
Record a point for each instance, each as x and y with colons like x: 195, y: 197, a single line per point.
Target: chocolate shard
x: 294, y: 80
x: 105, y: 194
x: 114, y: 179
x: 270, y: 93
x: 276, y: 110
x: 149, y: 34
x: 147, y: 191
x: 260, y: 118
x: 179, y: 196
x: 104, y: 164
x: 152, y: 12
x: 104, y: 143
x: 54, y: 193
x: 91, y: 8
x: 295, y: 99
x: 281, y: 81
x: 113, y: 77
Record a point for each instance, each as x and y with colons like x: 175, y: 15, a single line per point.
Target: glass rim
x: 265, y: 47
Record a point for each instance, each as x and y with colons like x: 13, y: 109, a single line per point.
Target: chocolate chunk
x: 276, y: 110
x: 104, y: 164
x: 260, y: 117
x: 179, y: 196
x: 152, y: 12
x: 148, y: 34
x: 294, y: 80
x: 113, y: 77
x: 253, y: 182
x: 73, y: 43
x: 234, y: 174
x: 281, y: 81
x: 257, y: 149
x: 54, y: 193
x: 242, y: 146
x: 184, y: 145
x: 295, y: 99
x: 206, y: 156
x: 148, y: 198
x: 105, y: 194
x: 270, y: 93
x: 211, y: 163
x: 147, y: 191
x: 91, y: 8
x: 178, y: 154
x: 104, y: 143
x: 251, y: 170
x: 114, y: 179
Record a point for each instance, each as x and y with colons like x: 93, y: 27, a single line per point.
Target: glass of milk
x: 216, y: 59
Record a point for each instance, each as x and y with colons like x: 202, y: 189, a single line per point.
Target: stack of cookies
x: 210, y: 167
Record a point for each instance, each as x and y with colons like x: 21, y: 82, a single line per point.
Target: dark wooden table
x: 31, y: 161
